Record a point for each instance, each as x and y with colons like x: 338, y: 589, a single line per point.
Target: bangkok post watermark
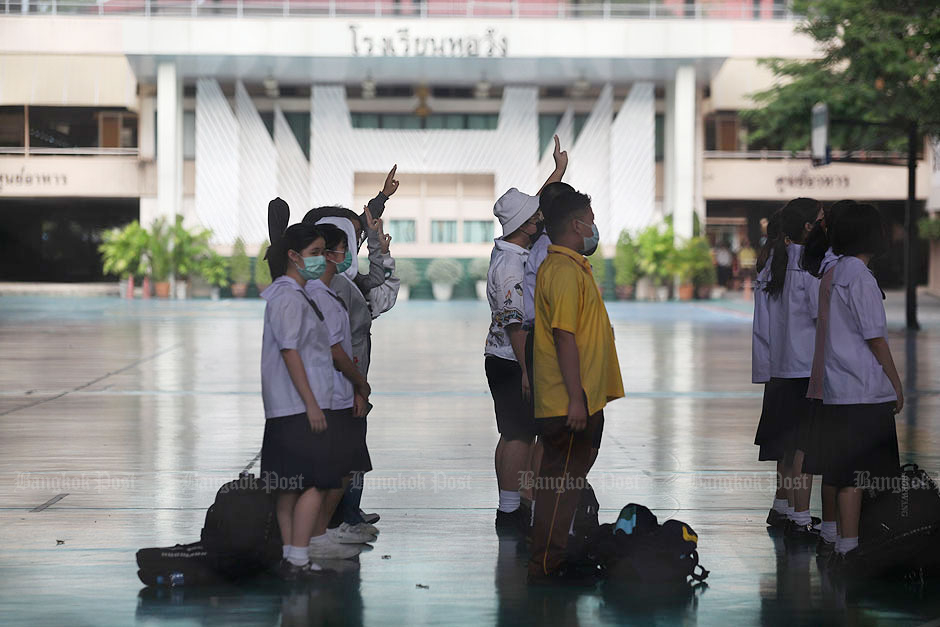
x: 96, y: 481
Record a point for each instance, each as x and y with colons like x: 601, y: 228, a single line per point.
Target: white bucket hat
x: 514, y: 209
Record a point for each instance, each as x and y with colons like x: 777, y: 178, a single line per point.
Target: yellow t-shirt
x: 567, y: 298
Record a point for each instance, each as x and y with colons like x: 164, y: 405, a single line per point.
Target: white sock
x: 780, y: 506
x: 297, y: 555
x: 790, y: 512
x: 848, y: 544
x: 802, y: 518
x: 828, y: 531
x: 285, y: 551
x: 509, y: 500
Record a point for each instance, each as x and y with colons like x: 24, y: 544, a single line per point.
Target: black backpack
x: 640, y: 553
x: 173, y: 566
x: 899, y: 528
x: 585, y: 526
x: 241, y: 535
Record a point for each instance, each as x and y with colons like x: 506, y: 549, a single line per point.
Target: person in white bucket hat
x: 518, y: 213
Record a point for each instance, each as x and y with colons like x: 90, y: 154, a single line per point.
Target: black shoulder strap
x: 314, y: 305
x: 340, y: 301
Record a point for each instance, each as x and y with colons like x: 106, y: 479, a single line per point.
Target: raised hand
x: 391, y: 183
x: 560, y: 156
x: 384, y: 238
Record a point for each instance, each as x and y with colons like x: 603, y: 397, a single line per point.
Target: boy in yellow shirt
x: 576, y: 373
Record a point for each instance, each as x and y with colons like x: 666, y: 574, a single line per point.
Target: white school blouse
x: 504, y: 293
x: 784, y: 330
x: 851, y: 373
x: 537, y: 255
x: 290, y: 322
x: 337, y: 322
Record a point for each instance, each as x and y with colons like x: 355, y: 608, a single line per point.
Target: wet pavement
x: 138, y: 411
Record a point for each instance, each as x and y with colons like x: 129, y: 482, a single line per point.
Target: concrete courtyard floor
x: 120, y: 419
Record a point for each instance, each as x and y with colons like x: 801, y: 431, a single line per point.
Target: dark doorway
x: 56, y: 239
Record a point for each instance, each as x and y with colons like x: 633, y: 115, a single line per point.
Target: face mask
x: 344, y: 265
x: 313, y: 268
x: 590, y: 243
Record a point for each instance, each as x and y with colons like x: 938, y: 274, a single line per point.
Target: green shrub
x: 693, y: 262
x: 445, y: 271
x: 214, y: 269
x: 262, y: 269
x: 479, y: 268
x: 239, y: 263
x: 124, y: 251
x: 655, y: 252
x: 929, y: 228
x: 407, y: 272
x: 625, y: 261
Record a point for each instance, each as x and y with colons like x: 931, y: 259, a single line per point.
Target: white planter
x: 662, y: 293
x: 214, y: 293
x: 182, y: 290
x: 481, y: 290
x: 644, y: 289
x: 442, y: 291
x: 404, y: 293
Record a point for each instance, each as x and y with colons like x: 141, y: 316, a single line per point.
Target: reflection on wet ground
x: 138, y: 411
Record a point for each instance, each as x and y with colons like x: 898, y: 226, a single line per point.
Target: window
x: 443, y: 231
x: 660, y: 136
x: 435, y: 121
x: 12, y: 125
x: 477, y: 231
x: 402, y: 231
x: 548, y: 123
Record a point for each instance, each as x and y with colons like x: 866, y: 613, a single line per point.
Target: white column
x: 683, y: 147
x: 669, y: 155
x: 169, y: 144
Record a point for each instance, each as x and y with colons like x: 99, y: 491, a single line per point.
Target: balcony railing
x: 873, y: 155
x: 80, y: 152
x: 653, y: 9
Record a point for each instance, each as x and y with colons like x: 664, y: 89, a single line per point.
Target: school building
x: 115, y: 110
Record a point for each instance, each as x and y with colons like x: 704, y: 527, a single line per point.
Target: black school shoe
x: 514, y: 524
x: 291, y: 572
x: 801, y: 533
x: 824, y: 549
x: 568, y: 575
x: 776, y: 519
x: 370, y: 518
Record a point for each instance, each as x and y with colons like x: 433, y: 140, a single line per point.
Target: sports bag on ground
x: 899, y: 528
x: 637, y: 551
x: 585, y: 525
x: 241, y: 536
x: 179, y: 565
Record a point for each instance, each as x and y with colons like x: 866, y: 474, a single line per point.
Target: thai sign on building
x: 402, y: 42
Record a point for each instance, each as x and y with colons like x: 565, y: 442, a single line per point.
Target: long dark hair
x: 773, y: 232
x: 860, y: 231
x: 818, y: 240
x: 793, y: 219
x: 285, y: 238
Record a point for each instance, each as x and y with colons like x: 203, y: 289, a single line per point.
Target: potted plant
x: 625, y: 266
x: 263, y: 270
x: 599, y: 269
x: 239, y: 269
x: 655, y: 250
x: 124, y: 254
x: 479, y: 268
x: 214, y: 269
x: 159, y: 257
x: 190, y: 250
x: 444, y: 274
x: 407, y: 273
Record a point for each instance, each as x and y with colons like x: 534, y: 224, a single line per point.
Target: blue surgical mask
x: 590, y: 243
x: 345, y: 263
x: 313, y: 268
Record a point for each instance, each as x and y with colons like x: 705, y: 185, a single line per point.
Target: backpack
x: 585, y: 526
x: 899, y: 528
x: 178, y: 565
x: 241, y: 535
x: 639, y: 553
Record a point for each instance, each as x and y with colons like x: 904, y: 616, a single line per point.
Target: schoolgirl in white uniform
x: 350, y: 390
x: 782, y: 350
x: 296, y: 383
x: 856, y: 375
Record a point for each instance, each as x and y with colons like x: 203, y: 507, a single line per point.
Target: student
x: 576, y: 374
x: 783, y: 342
x: 383, y: 297
x: 353, y: 288
x: 350, y: 393
x: 856, y: 376
x: 296, y: 383
x: 505, y: 354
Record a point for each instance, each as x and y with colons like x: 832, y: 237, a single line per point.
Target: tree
x: 880, y: 63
